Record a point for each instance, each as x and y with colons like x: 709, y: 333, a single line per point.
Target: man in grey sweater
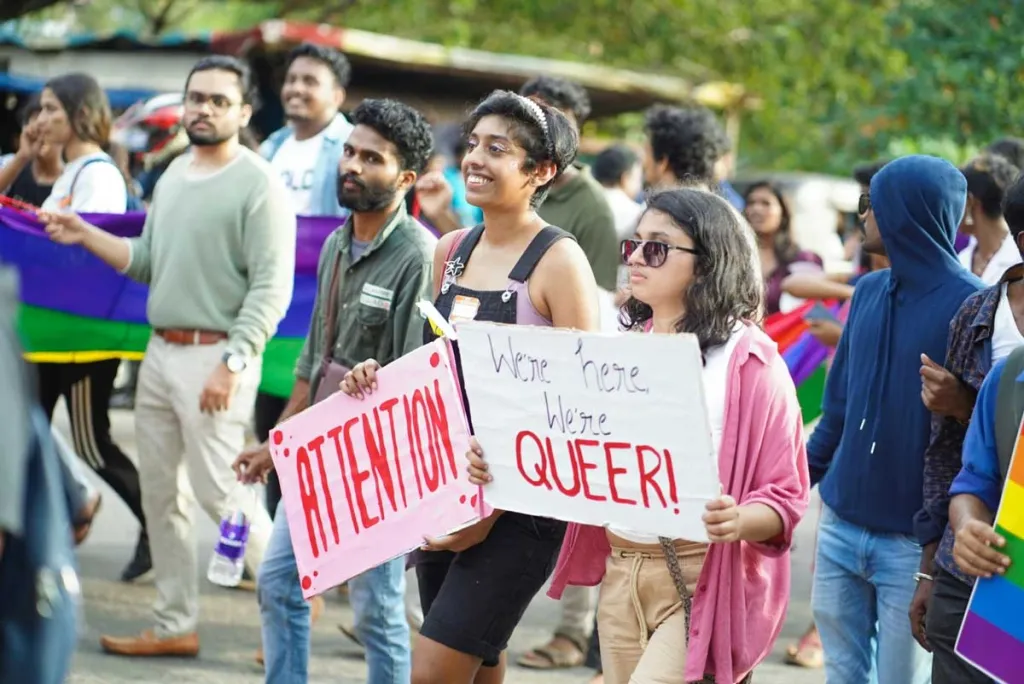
x: 218, y: 253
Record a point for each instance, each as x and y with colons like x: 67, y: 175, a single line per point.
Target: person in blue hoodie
x: 867, y: 451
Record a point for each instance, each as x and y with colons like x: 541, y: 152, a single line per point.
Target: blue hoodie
x: 868, y: 449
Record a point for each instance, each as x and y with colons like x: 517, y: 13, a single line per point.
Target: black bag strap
x: 330, y: 331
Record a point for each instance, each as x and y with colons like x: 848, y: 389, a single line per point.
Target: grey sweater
x: 218, y: 251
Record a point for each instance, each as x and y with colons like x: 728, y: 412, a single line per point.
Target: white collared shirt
x: 1006, y: 256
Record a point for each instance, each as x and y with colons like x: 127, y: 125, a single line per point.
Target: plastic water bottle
x: 228, y: 561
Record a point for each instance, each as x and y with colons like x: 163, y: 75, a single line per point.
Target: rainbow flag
x: 805, y: 356
x: 77, y: 309
x: 992, y: 634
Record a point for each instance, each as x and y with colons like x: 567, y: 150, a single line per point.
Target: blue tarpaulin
x: 120, y: 98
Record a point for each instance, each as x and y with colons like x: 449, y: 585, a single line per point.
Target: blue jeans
x: 863, y: 585
x: 377, y: 597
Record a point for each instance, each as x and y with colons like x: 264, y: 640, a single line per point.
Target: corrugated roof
x: 612, y: 90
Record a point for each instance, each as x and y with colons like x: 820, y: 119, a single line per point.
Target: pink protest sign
x: 364, y: 481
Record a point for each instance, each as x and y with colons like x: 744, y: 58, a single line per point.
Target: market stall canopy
x: 382, y: 64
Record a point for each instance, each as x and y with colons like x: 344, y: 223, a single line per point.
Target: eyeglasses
x: 218, y: 103
x: 654, y: 253
x: 864, y: 204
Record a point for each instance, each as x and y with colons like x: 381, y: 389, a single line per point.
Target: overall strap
x: 1009, y: 409
x: 465, y: 243
x: 535, y: 251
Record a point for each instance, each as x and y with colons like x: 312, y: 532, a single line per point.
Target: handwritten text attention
x: 408, y: 431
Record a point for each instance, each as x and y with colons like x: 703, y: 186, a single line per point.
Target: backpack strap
x: 74, y: 180
x: 1009, y: 409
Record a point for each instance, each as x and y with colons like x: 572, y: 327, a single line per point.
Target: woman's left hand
x: 477, y: 468
x: 722, y: 520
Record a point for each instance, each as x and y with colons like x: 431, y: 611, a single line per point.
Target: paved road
x: 229, y: 624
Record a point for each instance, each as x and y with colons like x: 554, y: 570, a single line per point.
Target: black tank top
x: 26, y: 188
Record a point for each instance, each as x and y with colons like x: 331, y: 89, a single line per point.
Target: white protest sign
x: 595, y: 428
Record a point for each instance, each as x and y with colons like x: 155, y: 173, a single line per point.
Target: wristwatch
x: 235, y: 362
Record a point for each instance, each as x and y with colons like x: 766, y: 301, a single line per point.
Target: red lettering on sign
x: 374, y: 445
x: 614, y: 472
x: 647, y: 476
x: 585, y: 466
x: 431, y: 478
x: 409, y: 428
x: 310, y: 504
x: 379, y: 463
x: 358, y: 477
x: 537, y: 461
x: 577, y: 485
x: 441, y: 432
x: 388, y: 407
x: 314, y: 446
x: 541, y: 464
x: 339, y: 452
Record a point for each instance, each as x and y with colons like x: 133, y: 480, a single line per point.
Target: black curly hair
x: 988, y: 177
x: 1013, y: 207
x: 1009, y: 148
x: 612, y: 163
x: 690, y: 139
x: 561, y: 94
x: 863, y: 173
x: 726, y: 287
x: 329, y: 57
x: 401, y: 125
x: 555, y: 139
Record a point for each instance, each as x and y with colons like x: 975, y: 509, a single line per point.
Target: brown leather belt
x: 190, y: 337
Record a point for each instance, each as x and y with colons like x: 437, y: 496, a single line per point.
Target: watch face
x: 236, y: 364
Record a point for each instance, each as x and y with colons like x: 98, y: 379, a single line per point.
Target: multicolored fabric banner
x: 76, y: 309
x: 805, y: 356
x: 992, y: 634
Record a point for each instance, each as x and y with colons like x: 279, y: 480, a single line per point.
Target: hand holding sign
x: 365, y: 481
x: 361, y: 380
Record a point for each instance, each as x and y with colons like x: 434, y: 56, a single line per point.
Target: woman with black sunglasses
x: 678, y: 610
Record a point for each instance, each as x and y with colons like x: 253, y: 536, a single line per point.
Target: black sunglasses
x: 864, y: 204
x: 654, y: 253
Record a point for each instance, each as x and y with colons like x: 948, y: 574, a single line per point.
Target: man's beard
x: 207, y: 138
x: 367, y: 197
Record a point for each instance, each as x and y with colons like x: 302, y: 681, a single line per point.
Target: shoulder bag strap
x: 330, y: 331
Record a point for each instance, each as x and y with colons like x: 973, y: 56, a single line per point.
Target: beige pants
x: 174, y: 439
x: 640, y: 616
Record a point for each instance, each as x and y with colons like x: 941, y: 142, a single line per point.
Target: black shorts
x: 473, y: 600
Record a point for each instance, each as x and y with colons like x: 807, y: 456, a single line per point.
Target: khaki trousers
x: 640, y: 616
x: 176, y: 440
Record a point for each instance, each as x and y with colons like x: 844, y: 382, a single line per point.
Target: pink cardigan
x: 743, y: 590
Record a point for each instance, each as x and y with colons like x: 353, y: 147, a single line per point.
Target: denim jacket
x: 325, y: 173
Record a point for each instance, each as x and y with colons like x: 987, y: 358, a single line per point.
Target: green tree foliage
x: 965, y: 67
x: 840, y: 80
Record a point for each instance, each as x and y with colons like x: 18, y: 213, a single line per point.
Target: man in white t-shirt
x: 307, y: 151
x: 306, y: 154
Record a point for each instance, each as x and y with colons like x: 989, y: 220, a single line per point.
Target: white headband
x: 542, y: 121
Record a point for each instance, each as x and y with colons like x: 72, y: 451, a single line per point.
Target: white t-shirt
x: 295, y: 161
x: 715, y: 378
x: 98, y: 189
x: 1005, y: 334
x: 1006, y: 256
